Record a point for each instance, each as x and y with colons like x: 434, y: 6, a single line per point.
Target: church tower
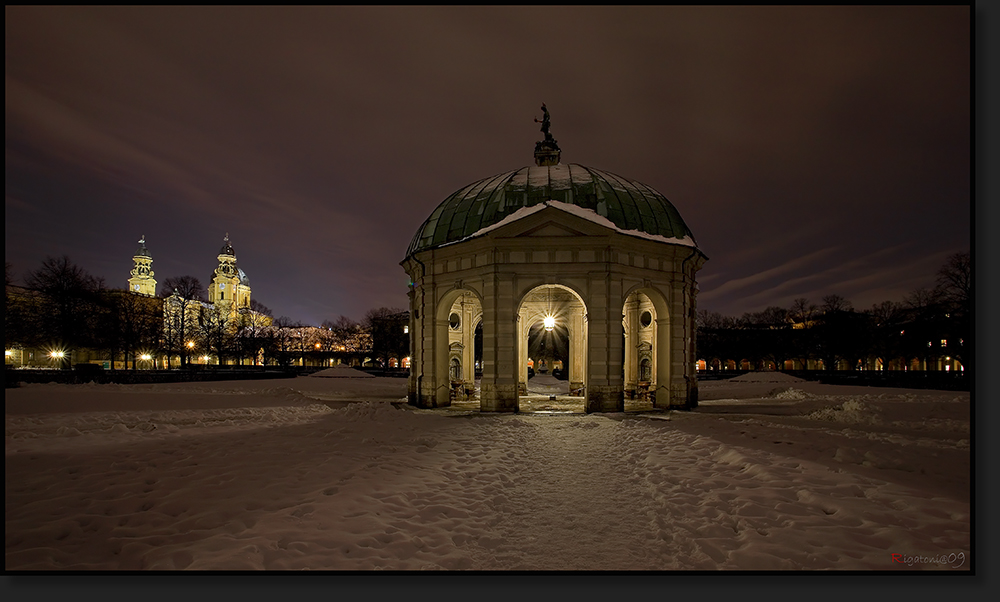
x: 142, y: 280
x: 229, y: 285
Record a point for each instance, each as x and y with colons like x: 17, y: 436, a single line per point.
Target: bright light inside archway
x: 549, y: 322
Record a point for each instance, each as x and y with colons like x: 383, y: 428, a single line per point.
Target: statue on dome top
x: 545, y: 123
x: 547, y: 151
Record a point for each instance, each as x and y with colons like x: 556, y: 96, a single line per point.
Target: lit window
x: 944, y: 342
x: 406, y: 330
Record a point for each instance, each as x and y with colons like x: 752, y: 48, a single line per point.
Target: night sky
x: 811, y: 150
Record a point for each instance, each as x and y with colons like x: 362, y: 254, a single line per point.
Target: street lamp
x: 57, y: 357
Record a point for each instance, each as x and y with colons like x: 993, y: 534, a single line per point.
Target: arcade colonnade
x: 627, y: 303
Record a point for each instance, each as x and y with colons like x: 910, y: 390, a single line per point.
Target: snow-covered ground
x: 335, y: 473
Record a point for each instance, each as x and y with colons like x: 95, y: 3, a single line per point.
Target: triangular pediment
x: 549, y: 222
x: 552, y: 229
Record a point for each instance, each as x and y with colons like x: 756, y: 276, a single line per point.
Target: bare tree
x: 18, y: 313
x: 129, y: 323
x: 68, y: 294
x: 954, y: 281
x: 709, y: 319
x: 922, y: 298
x: 182, y: 294
x: 886, y: 319
x: 388, y: 334
x: 802, y: 311
x: 251, y: 333
x: 835, y: 303
x: 216, y: 330
x: 284, y: 339
x: 954, y: 288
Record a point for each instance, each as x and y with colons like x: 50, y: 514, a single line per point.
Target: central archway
x: 551, y: 333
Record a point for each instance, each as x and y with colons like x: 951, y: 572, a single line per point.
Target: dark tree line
x: 62, y: 307
x: 928, y: 325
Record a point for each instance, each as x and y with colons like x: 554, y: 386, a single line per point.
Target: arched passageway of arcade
x: 552, y: 349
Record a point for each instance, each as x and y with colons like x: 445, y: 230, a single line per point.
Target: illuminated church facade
x: 188, y: 320
x: 228, y: 285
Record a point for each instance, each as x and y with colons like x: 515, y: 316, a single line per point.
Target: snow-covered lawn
x: 335, y: 473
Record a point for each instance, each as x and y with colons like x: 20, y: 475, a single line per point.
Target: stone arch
x: 441, y: 379
x: 569, y: 309
x: 661, y: 345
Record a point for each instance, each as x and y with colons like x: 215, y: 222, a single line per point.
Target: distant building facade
x: 198, y: 331
x: 141, y: 279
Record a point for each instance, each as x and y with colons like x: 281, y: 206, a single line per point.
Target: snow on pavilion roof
x: 631, y: 207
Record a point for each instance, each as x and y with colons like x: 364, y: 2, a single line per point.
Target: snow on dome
x: 587, y: 214
x: 627, y: 206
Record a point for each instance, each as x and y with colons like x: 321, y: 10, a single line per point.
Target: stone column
x: 499, y: 385
x: 605, y: 391
x: 678, y: 346
x: 428, y: 338
x: 415, y: 342
x: 631, y: 344
x: 468, y: 347
x: 442, y: 380
x: 662, y: 354
x: 692, y: 333
x: 522, y: 350
x: 577, y: 349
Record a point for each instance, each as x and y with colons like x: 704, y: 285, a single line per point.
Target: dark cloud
x: 812, y: 150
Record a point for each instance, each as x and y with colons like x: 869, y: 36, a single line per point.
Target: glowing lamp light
x: 549, y: 322
x: 190, y: 344
x: 57, y: 354
x: 146, y: 357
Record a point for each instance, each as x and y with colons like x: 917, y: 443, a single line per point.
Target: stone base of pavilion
x: 539, y: 400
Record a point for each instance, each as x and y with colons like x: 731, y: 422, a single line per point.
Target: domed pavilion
x: 557, y: 268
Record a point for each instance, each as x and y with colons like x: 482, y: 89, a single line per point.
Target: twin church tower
x: 229, y: 284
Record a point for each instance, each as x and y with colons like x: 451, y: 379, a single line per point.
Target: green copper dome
x: 629, y: 205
